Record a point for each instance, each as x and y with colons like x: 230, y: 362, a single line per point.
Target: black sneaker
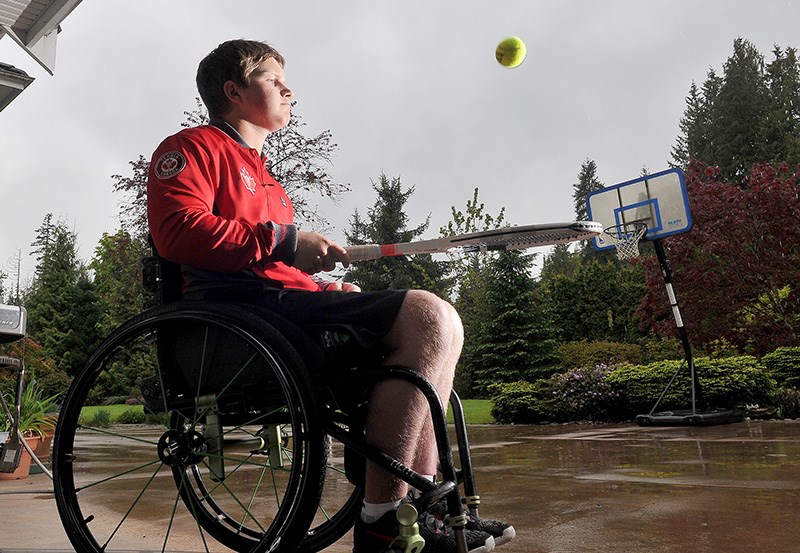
x: 377, y: 536
x: 502, y: 532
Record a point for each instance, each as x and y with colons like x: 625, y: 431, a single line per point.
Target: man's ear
x: 231, y: 91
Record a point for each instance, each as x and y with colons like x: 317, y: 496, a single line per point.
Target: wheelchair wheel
x: 229, y: 457
x: 339, y: 504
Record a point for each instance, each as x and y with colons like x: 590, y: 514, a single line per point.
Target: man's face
x: 267, y: 100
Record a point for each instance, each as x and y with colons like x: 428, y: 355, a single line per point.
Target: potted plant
x: 37, y: 421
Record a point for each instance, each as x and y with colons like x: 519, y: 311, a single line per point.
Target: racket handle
x: 364, y: 253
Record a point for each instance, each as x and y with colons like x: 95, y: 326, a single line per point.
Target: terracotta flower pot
x: 44, y: 448
x: 24, y: 468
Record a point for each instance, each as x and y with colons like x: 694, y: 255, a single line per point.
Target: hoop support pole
x: 666, y: 273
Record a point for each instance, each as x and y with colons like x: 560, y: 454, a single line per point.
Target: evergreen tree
x: 515, y: 340
x: 468, y: 275
x: 560, y: 261
x: 749, y: 115
x: 597, y: 301
x: 587, y: 183
x: 61, y: 302
x: 81, y: 324
x: 681, y: 150
x: 779, y: 139
x: 738, y: 112
x: 388, y: 224
x: 696, y: 141
x: 471, y: 306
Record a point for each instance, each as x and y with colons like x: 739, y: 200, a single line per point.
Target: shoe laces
x: 433, y: 523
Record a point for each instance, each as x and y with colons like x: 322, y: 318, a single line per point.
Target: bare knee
x: 428, y: 325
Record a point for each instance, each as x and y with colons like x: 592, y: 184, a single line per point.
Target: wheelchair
x: 250, y: 442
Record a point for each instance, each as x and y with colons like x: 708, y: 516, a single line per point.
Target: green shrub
x: 727, y: 382
x: 115, y: 400
x: 131, y: 416
x: 783, y: 365
x: 735, y: 381
x: 585, y: 394
x: 576, y: 355
x: 600, y: 394
x: 100, y: 419
x: 159, y: 419
x: 788, y: 402
x: 520, y: 403
x: 658, y: 349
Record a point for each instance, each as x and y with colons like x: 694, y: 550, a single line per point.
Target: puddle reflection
x: 581, y: 488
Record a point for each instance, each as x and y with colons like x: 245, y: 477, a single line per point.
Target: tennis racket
x: 508, y: 238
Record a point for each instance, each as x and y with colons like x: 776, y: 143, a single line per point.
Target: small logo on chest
x: 248, y: 180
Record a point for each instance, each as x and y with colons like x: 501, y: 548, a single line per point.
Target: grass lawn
x: 113, y: 410
x: 476, y: 411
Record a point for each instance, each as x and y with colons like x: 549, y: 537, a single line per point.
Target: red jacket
x: 212, y: 205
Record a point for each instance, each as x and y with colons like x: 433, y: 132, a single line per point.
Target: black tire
x: 339, y: 504
x: 160, y: 485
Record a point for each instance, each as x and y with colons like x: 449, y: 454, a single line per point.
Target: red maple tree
x: 737, y: 272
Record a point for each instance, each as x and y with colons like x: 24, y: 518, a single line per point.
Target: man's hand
x: 316, y: 253
x: 338, y: 286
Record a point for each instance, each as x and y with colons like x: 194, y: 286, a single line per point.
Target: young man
x: 214, y: 209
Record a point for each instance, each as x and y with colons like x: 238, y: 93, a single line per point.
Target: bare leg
x: 427, y: 337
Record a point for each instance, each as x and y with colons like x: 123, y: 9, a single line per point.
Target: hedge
x: 521, y: 402
x: 783, y: 365
x: 602, y: 394
x: 578, y: 355
x: 724, y: 383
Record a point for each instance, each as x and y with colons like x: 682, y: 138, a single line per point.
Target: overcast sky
x: 408, y: 88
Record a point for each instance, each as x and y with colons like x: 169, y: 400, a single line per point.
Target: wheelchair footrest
x: 435, y: 495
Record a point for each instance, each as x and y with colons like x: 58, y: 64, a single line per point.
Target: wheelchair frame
x: 193, y: 442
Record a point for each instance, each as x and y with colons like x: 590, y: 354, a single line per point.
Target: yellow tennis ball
x: 511, y: 52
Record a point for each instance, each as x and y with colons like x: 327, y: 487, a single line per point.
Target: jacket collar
x: 228, y: 129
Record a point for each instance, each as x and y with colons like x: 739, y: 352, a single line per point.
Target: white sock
x: 371, y: 512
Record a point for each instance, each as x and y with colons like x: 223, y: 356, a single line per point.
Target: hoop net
x: 625, y: 239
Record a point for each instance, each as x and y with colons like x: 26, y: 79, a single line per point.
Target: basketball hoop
x: 625, y: 238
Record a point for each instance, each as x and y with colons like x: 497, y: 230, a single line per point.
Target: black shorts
x: 348, y: 326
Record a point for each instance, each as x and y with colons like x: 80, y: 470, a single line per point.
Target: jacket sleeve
x: 181, y: 189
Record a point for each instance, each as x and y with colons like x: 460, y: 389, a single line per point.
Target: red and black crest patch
x: 170, y: 164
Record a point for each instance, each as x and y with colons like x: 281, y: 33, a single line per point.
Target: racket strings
x: 522, y: 241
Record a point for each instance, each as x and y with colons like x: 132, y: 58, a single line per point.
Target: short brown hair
x: 234, y: 60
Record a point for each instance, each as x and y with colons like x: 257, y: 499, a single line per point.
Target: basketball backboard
x: 659, y: 201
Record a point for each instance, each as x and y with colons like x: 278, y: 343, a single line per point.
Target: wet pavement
x: 582, y: 489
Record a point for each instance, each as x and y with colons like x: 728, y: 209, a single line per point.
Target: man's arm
x: 316, y: 253
x: 185, y: 222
